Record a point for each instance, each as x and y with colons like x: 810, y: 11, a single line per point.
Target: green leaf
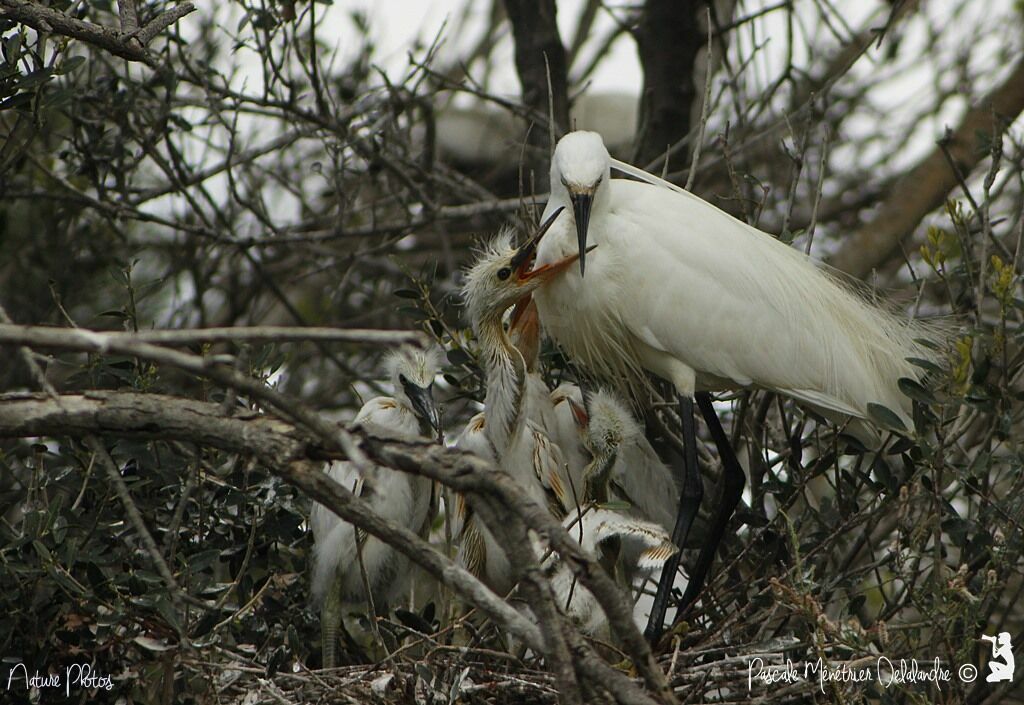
x: 70, y: 64
x: 915, y: 390
x: 925, y: 364
x: 885, y: 417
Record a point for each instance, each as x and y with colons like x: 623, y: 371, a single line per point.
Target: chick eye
x: 504, y: 273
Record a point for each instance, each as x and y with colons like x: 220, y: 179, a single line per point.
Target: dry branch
x: 540, y: 55
x: 927, y: 185
x: 252, y: 334
x: 297, y: 457
x: 284, y: 450
x: 668, y: 39
x: 127, y: 44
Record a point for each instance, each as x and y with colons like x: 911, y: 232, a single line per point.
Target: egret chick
x: 650, y: 545
x: 499, y: 279
x: 341, y: 553
x: 624, y: 466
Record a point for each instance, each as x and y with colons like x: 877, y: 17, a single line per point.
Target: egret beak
x: 523, y: 258
x: 581, y: 203
x: 422, y: 400
x: 548, y: 271
x: 579, y: 414
x: 524, y: 328
x: 525, y: 310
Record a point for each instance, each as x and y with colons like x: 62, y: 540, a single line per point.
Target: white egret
x: 476, y: 543
x: 567, y: 398
x: 342, y: 555
x: 624, y: 466
x: 681, y: 289
x: 499, y: 279
x: 524, y: 332
x: 648, y: 544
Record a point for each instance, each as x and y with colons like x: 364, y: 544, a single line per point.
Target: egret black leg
x: 728, y: 495
x: 689, y: 504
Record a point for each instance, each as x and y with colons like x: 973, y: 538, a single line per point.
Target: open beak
x: 522, y: 260
x: 579, y: 414
x: 422, y: 399
x: 581, y: 203
x: 547, y: 271
x: 525, y: 329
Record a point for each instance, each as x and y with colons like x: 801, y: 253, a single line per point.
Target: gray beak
x: 422, y: 400
x: 581, y: 203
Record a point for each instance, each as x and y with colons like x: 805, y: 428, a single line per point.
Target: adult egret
x: 683, y: 290
x: 499, y: 279
x: 343, y: 556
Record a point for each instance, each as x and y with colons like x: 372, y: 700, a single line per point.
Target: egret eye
x: 504, y: 273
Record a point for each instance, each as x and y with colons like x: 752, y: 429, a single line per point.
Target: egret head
x: 608, y: 423
x: 502, y: 275
x: 605, y: 426
x: 580, y: 165
x: 412, y: 370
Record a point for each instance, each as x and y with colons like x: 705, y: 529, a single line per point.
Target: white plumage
x: 337, y: 579
x: 677, y: 287
x: 498, y: 280
x: 650, y: 545
x: 636, y: 474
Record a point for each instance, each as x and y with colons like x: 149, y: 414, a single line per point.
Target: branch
x: 927, y: 185
x: 284, y: 450
x: 539, y: 50
x: 668, y: 39
x: 194, y: 336
x: 456, y: 470
x: 128, y: 44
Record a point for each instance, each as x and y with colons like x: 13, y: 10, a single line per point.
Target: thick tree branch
x: 457, y: 470
x: 668, y: 38
x: 927, y: 185
x: 297, y: 457
x: 283, y: 449
x: 126, y: 43
x: 539, y: 52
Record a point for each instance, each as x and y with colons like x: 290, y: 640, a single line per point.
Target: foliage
x: 263, y: 174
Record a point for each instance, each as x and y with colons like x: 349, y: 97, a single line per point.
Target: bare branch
x: 252, y: 334
x: 282, y: 448
x: 538, y: 50
x: 668, y: 38
x: 127, y: 44
x: 927, y: 185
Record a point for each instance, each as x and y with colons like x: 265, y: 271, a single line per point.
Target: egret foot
x: 689, y: 504
x: 728, y: 495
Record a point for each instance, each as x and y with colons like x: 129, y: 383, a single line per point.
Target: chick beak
x: 547, y: 271
x: 581, y: 203
x: 422, y: 400
x: 522, y: 260
x: 524, y: 328
x: 579, y: 413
